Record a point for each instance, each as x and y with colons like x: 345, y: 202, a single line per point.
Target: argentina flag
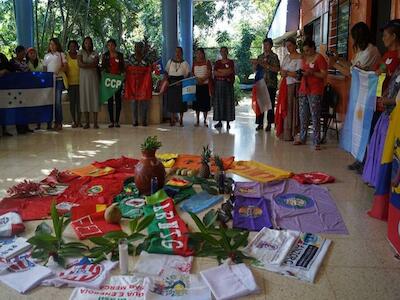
x: 362, y: 102
x: 26, y: 98
x: 189, y: 89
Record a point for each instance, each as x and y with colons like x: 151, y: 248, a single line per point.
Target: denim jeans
x: 58, y: 105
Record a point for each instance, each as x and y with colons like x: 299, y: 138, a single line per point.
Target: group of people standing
x: 212, y: 81
x: 300, y: 90
x: 77, y: 71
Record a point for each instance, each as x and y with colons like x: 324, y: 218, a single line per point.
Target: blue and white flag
x: 362, y: 103
x: 26, y: 98
x: 189, y: 89
x: 261, y: 100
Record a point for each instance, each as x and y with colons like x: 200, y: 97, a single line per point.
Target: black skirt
x: 174, y: 96
x: 202, y: 102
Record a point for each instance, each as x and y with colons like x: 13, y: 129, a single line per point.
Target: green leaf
x: 210, y: 218
x: 115, y: 235
x: 205, y: 237
x: 55, y: 219
x: 100, y: 241
x: 241, y: 241
x: 198, y: 222
x: 145, y: 222
x: 76, y: 244
x: 135, y: 237
x: 225, y: 240
x: 133, y: 224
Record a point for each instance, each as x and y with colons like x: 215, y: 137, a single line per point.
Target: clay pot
x: 148, y: 167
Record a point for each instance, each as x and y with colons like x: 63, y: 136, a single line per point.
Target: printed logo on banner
x: 135, y: 202
x: 250, y: 211
x: 4, y: 220
x: 94, y: 190
x: 266, y: 245
x: 87, y: 226
x: 82, y: 273
x: 297, y: 201
x: 247, y: 190
x: 21, y: 264
x: 172, y: 285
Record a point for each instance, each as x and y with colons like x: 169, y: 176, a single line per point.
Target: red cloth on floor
x: 281, y: 108
x: 87, y: 222
x: 121, y: 165
x: 56, y: 177
x: 32, y: 208
x: 94, y: 190
x: 313, y: 178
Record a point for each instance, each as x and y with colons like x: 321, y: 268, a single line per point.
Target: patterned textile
x: 224, y: 103
x: 310, y: 104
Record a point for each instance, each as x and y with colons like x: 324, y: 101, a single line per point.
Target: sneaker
x: 259, y: 127
x: 268, y: 128
x: 111, y: 125
x: 218, y: 125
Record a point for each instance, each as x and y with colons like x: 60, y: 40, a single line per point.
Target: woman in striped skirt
x: 224, y: 104
x: 202, y: 69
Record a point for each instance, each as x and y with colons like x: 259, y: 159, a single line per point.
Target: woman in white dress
x: 88, y: 60
x: 290, y: 66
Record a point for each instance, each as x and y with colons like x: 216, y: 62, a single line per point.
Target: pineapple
x: 204, y: 171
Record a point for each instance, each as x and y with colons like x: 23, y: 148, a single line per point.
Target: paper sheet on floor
x: 230, y: 281
x: 304, y: 258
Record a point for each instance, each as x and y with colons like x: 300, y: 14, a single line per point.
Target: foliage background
x: 244, y: 25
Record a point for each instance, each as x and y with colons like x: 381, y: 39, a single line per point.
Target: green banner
x: 109, y: 84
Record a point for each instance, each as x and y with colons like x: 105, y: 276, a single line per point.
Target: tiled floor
x: 358, y: 266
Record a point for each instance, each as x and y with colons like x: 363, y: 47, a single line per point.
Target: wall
x: 395, y: 14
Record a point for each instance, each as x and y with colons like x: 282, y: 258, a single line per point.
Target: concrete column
x: 186, y: 29
x: 169, y: 26
x: 23, y: 10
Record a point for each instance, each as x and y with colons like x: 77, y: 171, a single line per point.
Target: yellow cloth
x: 167, y: 159
x: 258, y: 172
x: 381, y: 79
x: 39, y: 67
x: 73, y: 71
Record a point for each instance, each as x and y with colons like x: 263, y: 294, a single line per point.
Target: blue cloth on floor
x: 200, y: 202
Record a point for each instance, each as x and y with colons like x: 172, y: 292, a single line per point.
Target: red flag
x: 281, y: 109
x: 138, y: 83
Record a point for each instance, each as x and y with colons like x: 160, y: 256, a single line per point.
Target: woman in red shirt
x: 314, y: 68
x: 224, y: 103
x: 113, y: 63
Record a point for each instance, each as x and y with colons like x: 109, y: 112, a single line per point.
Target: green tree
x: 243, y: 52
x: 8, y: 30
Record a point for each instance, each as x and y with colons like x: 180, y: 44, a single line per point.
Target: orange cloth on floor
x: 193, y: 162
x: 92, y: 171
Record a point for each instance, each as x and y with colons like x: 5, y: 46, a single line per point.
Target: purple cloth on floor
x: 248, y: 189
x: 306, y: 208
x: 251, y: 214
x: 375, y: 150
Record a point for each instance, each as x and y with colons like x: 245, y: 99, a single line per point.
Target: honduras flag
x: 189, y: 89
x: 26, y: 98
x: 362, y: 102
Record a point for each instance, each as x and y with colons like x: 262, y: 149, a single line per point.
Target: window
x: 339, y: 15
x: 313, y: 31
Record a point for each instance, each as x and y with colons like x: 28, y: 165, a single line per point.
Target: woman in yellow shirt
x: 73, y: 83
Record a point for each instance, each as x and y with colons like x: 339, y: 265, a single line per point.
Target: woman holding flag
x: 113, y: 63
x: 287, y: 111
x: 176, y: 70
